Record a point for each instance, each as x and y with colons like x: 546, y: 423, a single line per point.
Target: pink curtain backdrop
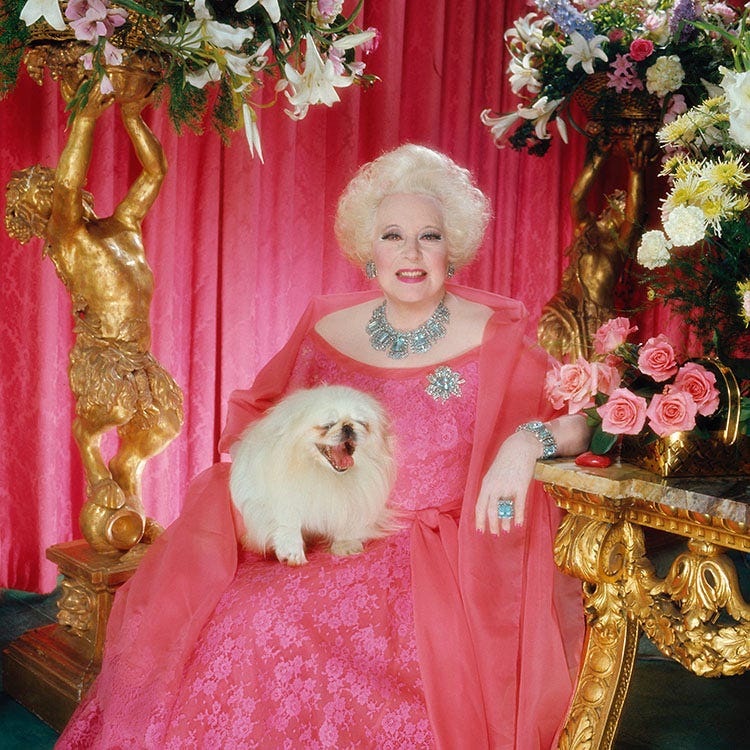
x: 238, y: 247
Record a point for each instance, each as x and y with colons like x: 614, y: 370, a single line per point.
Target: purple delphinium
x: 684, y: 10
x: 567, y: 17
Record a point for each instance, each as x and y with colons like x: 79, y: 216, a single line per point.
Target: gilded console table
x: 695, y: 614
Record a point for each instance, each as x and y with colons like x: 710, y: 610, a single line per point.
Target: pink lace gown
x: 324, y: 656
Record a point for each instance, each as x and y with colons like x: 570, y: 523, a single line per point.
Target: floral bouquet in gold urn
x: 700, y: 260
x: 664, y: 414
x: 304, y: 50
x: 628, y: 59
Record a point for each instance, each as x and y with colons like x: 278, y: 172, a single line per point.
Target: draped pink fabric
x: 238, y: 247
x: 498, y: 627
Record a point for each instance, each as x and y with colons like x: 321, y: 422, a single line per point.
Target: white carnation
x: 665, y: 75
x: 653, y: 251
x: 685, y: 225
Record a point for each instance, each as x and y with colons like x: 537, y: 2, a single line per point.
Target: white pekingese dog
x: 318, y: 464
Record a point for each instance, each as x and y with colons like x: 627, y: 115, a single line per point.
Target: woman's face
x: 409, y: 249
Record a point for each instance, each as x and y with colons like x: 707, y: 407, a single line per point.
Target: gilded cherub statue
x: 601, y: 244
x: 116, y: 381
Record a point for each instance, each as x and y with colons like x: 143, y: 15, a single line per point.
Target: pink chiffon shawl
x: 498, y: 627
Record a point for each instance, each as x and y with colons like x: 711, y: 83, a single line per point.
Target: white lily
x: 225, y: 36
x: 499, y: 126
x: 524, y: 75
x: 316, y: 84
x: 527, y: 31
x: 271, y: 6
x: 204, y: 76
x: 582, y: 50
x: 539, y: 113
x: 240, y: 65
x: 354, y: 40
x: 251, y: 131
x: 49, y: 10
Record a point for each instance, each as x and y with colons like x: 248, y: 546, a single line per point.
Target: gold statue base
x: 49, y: 669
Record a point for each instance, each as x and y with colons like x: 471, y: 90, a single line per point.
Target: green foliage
x: 602, y: 442
x: 701, y: 285
x: 187, y: 104
x: 13, y: 37
x: 225, y: 116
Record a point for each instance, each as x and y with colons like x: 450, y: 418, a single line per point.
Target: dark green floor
x: 667, y: 707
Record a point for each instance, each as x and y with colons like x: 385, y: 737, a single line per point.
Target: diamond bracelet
x: 541, y: 432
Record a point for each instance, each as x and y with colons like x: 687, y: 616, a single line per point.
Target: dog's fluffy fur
x: 318, y: 464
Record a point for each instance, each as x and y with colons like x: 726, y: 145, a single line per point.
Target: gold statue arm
x: 639, y: 152
x: 70, y: 173
x: 143, y: 192
x: 580, y: 190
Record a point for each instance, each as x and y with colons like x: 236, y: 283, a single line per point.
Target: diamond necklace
x: 398, y: 344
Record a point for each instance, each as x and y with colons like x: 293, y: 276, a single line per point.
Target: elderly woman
x: 457, y: 632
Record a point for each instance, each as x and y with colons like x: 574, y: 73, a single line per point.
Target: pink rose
x: 640, y: 49
x: 571, y: 384
x: 700, y: 383
x: 656, y: 359
x: 624, y: 413
x: 671, y: 412
x: 604, y: 378
x: 615, y: 35
x: 611, y: 334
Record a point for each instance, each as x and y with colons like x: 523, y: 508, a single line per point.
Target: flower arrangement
x: 636, y: 389
x: 651, y: 53
x: 306, y: 48
x: 700, y: 260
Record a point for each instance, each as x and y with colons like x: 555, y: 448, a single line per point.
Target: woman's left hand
x: 508, y: 478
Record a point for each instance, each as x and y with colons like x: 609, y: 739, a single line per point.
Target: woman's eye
x: 432, y: 237
x: 391, y: 236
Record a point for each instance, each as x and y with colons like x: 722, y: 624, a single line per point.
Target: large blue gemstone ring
x: 505, y: 507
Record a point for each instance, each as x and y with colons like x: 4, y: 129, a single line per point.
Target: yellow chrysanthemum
x: 685, y: 128
x: 674, y: 164
x: 690, y: 190
x: 714, y: 106
x: 729, y: 171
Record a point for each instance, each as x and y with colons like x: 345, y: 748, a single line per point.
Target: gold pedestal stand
x: 49, y: 669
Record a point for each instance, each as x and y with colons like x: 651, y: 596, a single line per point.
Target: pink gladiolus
x: 640, y: 49
x: 105, y: 85
x: 326, y: 7
x: 677, y: 106
x: 612, y: 334
x: 112, y: 54
x: 91, y: 19
x: 700, y: 383
x: 372, y: 44
x: 656, y: 359
x: 670, y: 412
x: 624, y: 413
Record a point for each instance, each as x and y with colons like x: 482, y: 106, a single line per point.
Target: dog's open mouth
x: 341, y: 456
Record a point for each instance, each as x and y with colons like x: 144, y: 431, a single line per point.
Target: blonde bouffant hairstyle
x: 413, y: 169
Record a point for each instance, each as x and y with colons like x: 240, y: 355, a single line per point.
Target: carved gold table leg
x: 601, y: 554
x: 49, y: 669
x: 695, y: 615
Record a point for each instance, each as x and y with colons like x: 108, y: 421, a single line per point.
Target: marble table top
x: 720, y: 497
